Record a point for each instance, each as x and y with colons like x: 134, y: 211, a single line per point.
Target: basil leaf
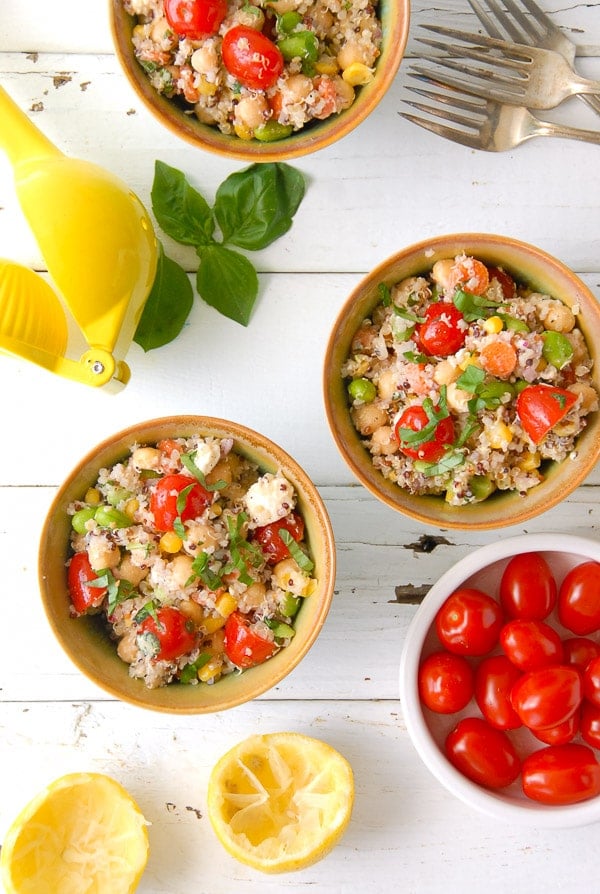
x: 296, y: 552
x: 167, y: 306
x: 255, y: 206
x: 473, y: 307
x: 471, y: 379
x: 446, y: 463
x: 181, y: 211
x: 187, y: 460
x: 228, y: 282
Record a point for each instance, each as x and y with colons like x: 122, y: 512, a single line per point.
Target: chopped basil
x: 244, y: 554
x: 187, y: 460
x: 385, y: 296
x: 296, y: 552
x: 201, y: 568
x: 450, y: 460
x: 117, y: 591
x: 473, y: 307
x: 416, y: 438
x: 190, y: 671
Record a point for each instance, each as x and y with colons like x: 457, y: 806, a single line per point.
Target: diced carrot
x: 498, y: 358
x: 469, y: 273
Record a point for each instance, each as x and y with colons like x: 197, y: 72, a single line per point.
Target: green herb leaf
x: 471, y: 379
x: 190, y: 671
x: 448, y: 462
x: 228, y: 282
x: 255, y: 206
x: 385, y: 295
x: 187, y: 460
x: 180, y: 210
x: 416, y: 438
x: 473, y: 307
x: 244, y: 554
x: 209, y: 577
x: 167, y: 307
x: 280, y: 629
x: 296, y: 552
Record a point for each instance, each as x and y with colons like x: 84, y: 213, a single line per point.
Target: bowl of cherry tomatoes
x: 500, y: 680
x: 259, y: 82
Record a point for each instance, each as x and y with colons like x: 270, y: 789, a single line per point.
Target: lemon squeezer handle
x: 19, y: 137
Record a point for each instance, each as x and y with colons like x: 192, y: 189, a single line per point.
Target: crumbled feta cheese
x: 268, y: 499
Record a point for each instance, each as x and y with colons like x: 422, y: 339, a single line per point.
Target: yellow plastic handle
x: 19, y: 137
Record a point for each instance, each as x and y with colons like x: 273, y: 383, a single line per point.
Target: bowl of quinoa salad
x: 187, y: 564
x: 260, y: 80
x: 461, y: 381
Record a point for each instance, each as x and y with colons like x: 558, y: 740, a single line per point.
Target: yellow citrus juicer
x: 98, y: 246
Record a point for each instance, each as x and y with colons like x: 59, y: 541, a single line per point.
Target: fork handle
x: 592, y: 101
x: 585, y: 86
x: 547, y: 129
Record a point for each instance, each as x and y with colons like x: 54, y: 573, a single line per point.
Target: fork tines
x: 449, y: 107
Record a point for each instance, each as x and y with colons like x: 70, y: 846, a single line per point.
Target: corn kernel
x: 226, y: 604
x: 211, y: 670
x: 529, y: 462
x: 493, y: 325
x: 326, y: 65
x: 93, y: 496
x: 216, y: 510
x: 499, y: 435
x: 131, y: 507
x: 206, y: 87
x: 310, y: 588
x: 209, y: 625
x: 243, y: 132
x: 170, y: 542
x: 358, y: 74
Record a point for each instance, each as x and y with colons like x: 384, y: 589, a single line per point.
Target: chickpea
x: 281, y: 6
x: 127, y: 649
x: 446, y: 372
x: 368, y: 417
x: 215, y: 643
x: 350, y: 53
x: 440, y: 272
x: 192, y: 610
x: 559, y: 318
x: 589, y: 397
x: 162, y: 34
x: 103, y: 553
x: 457, y: 399
x: 252, y: 111
x: 383, y: 442
x: 130, y: 572
x: 322, y: 19
x: 344, y: 92
x: 387, y: 383
x: 289, y: 577
x: 252, y: 597
x: 145, y: 458
x: 205, y: 59
x: 297, y: 88
x: 250, y: 16
x: 181, y: 569
x: 364, y: 338
x: 200, y: 534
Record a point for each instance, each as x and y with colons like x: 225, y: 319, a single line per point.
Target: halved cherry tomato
x: 527, y: 587
x: 482, y: 753
x: 251, y: 57
x: 167, y: 636
x: 591, y: 682
x: 540, y: 407
x: 547, y: 697
x: 469, y: 622
x: 271, y: 543
x: 445, y: 682
x: 505, y: 281
x: 561, y: 774
x: 195, y: 19
x: 561, y: 734
x: 578, y: 599
x: 579, y: 651
x: 243, y: 646
x: 164, y: 498
x: 494, y: 680
x: 531, y: 645
x: 589, y: 724
x: 443, y: 331
x: 415, y: 419
x: 83, y: 597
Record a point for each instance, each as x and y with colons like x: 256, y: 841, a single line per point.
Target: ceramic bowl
x: 395, y: 22
x: 85, y: 640
x: 482, y: 569
x: 525, y: 262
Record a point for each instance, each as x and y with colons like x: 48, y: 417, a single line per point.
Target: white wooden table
x: 385, y: 186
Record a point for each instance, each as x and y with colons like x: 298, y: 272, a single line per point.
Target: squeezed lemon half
x: 83, y: 834
x: 280, y: 801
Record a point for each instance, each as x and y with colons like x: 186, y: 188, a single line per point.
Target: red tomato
x: 443, y: 331
x: 415, y: 419
x: 547, y: 697
x: 579, y: 599
x: 589, y: 724
x: 579, y: 651
x: 243, y: 646
x: 83, y: 597
x: 505, y: 281
x: 469, y: 622
x: 527, y: 587
x: 251, y: 57
x: 561, y: 734
x: 494, y: 679
x: 531, y: 645
x: 168, y: 636
x: 164, y: 497
x: 561, y: 774
x: 540, y: 407
x: 445, y: 682
x: 483, y: 754
x: 195, y: 18
x: 591, y: 682
x: 271, y: 543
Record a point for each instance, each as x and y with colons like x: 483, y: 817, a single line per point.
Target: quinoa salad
x: 195, y: 559
x: 257, y: 69
x: 464, y: 381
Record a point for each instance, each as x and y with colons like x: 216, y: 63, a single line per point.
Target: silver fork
x: 537, y: 31
x: 484, y: 123
x: 518, y: 74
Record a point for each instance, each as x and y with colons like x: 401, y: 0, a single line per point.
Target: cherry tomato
x: 579, y: 651
x: 470, y: 274
x: 167, y: 636
x: 415, y: 419
x: 589, y: 724
x: 443, y: 331
x: 561, y: 734
x: 482, y: 753
x: 243, y: 646
x: 527, y: 587
x: 505, y: 281
x: 531, y: 645
x: 540, y: 407
x: 547, y: 697
x: 271, y: 543
x: 83, y: 597
x: 579, y: 599
x: 251, y: 57
x: 494, y: 679
x: 164, y: 498
x: 561, y: 774
x: 445, y: 682
x: 195, y: 18
x: 591, y: 682
x: 469, y: 622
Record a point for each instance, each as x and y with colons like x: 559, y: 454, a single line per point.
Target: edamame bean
x: 302, y: 44
x: 109, y: 517
x: 271, y: 131
x: 82, y: 516
x: 557, y: 350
